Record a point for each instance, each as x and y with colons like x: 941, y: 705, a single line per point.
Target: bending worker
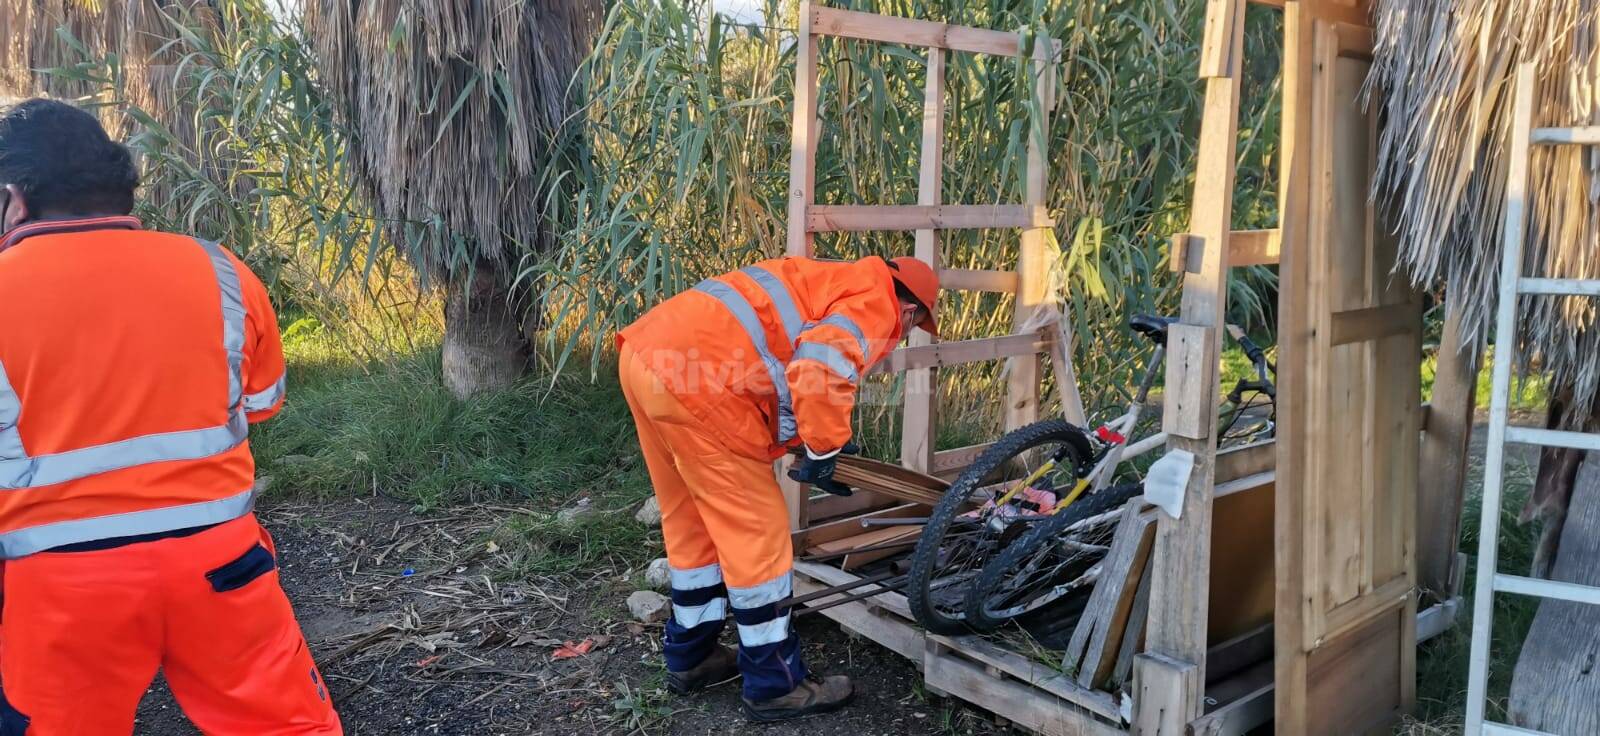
x: 132, y: 363
x: 723, y: 379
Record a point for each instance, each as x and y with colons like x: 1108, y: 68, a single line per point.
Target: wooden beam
x: 827, y: 218
x: 1033, y: 255
x: 1445, y: 439
x: 1219, y: 51
x: 1247, y: 248
x: 913, y: 32
x: 957, y: 279
x: 1372, y: 323
x: 1170, y: 676
x: 945, y: 461
x: 1098, y: 637
x: 802, y: 190
x: 920, y: 421
x: 941, y: 354
x: 1246, y: 460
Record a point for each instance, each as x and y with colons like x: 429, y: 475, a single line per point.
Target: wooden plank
x: 833, y: 531
x: 1093, y: 649
x: 872, y: 538
x: 891, y: 480
x: 913, y: 32
x: 1441, y: 491
x: 804, y: 134
x: 828, y: 218
x: 920, y: 422
x: 1033, y: 257
x: 961, y: 351
x: 1241, y: 716
x: 1268, y: 3
x: 1246, y: 460
x: 1028, y: 671
x: 1160, y: 681
x: 945, y: 461
x: 1372, y: 323
x: 1294, y: 336
x: 1066, y: 373
x: 1132, y: 636
x: 1355, y: 680
x: 1191, y: 365
x: 828, y: 507
x: 958, y: 279
x: 1219, y: 48
x: 1169, y: 677
x: 1022, y: 705
x: 1247, y: 248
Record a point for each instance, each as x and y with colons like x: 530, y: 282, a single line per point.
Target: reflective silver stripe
x: 10, y: 412
x: 700, y: 577
x: 829, y: 356
x: 756, y: 596
x: 691, y: 616
x: 782, y: 301
x: 771, y: 632
x: 266, y: 399
x: 770, y: 592
x: 233, y: 316
x: 24, y: 542
x: 48, y: 470
x: 746, y: 316
x: 850, y: 326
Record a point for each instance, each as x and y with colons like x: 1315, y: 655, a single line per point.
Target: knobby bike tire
x: 925, y: 559
x: 1014, y: 554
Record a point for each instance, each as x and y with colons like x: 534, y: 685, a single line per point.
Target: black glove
x: 819, y: 472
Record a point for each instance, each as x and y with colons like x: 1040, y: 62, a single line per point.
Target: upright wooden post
x: 918, y: 430
x: 1033, y: 266
x: 802, y: 189
x: 1181, y: 565
x: 1444, y: 454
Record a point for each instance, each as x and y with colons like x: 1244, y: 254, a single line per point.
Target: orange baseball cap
x: 923, y: 282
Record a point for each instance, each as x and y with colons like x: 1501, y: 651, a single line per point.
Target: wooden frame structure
x: 1029, y: 281
x: 1315, y: 624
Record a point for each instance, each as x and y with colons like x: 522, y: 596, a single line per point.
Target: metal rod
x: 848, y: 599
x: 837, y: 589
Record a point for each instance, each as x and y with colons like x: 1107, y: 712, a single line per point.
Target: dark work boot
x: 720, y: 666
x: 812, y: 696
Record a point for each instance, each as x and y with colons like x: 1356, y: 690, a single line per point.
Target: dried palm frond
x: 451, y: 106
x: 1443, y: 76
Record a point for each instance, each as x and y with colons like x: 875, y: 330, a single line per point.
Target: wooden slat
x: 1446, y: 436
x: 1191, y: 364
x: 921, y: 388
x: 833, y: 531
x: 957, y: 279
x: 1019, y: 703
x: 828, y: 507
x: 913, y: 32
x: 1246, y: 460
x: 1093, y: 649
x: 1028, y: 671
x: 1372, y: 323
x: 827, y: 218
x: 1246, y: 248
x: 802, y: 191
x: 961, y: 351
x: 1034, y: 255
x: 945, y: 461
x: 1218, y: 49
x: 1268, y: 3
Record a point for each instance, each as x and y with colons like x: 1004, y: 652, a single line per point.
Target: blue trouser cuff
x: 686, y: 648
x: 772, y: 670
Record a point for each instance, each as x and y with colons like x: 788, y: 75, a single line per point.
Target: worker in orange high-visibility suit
x: 132, y: 364
x: 723, y: 379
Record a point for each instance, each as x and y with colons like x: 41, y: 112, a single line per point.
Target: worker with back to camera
x: 722, y: 380
x: 132, y: 364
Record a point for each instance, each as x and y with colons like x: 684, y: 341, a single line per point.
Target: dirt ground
x: 418, y: 632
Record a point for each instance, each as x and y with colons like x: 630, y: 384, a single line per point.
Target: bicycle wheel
x: 967, y: 527
x: 1047, y: 563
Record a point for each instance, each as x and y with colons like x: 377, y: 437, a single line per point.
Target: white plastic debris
x: 1167, y: 481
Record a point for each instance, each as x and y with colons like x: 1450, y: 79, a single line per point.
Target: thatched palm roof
x: 451, y: 105
x: 1443, y: 76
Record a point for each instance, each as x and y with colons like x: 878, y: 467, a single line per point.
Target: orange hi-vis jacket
x: 131, y: 366
x: 771, y: 355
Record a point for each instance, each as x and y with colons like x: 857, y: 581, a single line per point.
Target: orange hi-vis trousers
x: 85, y: 633
x: 726, y: 528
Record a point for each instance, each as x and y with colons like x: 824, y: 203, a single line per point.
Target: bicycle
x: 994, y: 550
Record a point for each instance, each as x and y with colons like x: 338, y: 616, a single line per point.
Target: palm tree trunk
x: 485, y: 346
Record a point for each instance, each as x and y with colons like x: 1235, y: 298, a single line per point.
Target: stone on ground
x: 659, y: 574
x: 649, y: 606
x: 576, y: 511
x: 650, y: 513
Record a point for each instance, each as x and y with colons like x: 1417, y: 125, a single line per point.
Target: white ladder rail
x: 1512, y: 285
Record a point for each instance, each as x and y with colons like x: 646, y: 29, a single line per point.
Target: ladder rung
x: 1552, y: 438
x: 1567, y: 287
x: 1495, y: 729
x: 1555, y: 136
x: 1556, y: 589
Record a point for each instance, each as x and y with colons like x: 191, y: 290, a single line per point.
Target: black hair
x: 63, y: 161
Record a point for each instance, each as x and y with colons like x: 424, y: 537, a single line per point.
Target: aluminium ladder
x: 1512, y: 285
